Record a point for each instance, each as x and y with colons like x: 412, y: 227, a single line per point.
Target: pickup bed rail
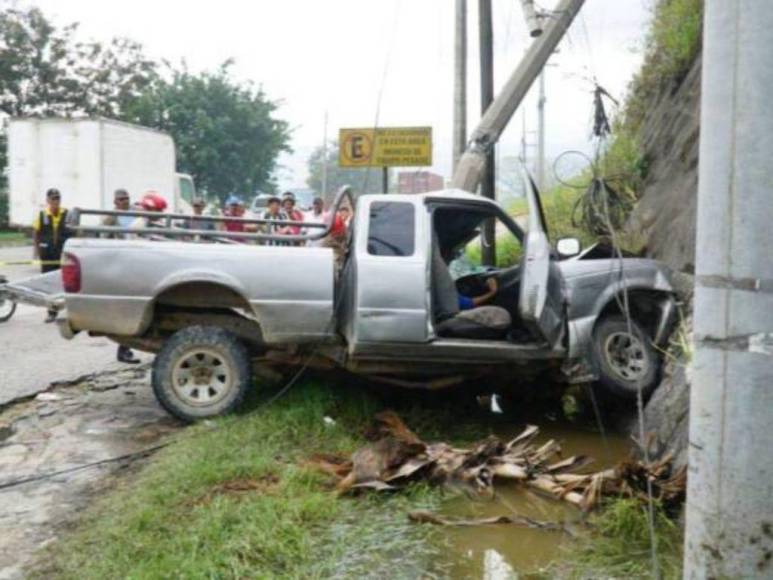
x: 168, y: 228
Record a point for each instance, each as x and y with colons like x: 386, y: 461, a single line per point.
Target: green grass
x: 170, y: 521
x: 619, y: 545
x: 8, y: 239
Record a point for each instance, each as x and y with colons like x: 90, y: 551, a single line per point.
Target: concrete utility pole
x: 460, y: 80
x: 730, y: 488
x: 488, y: 186
x: 469, y: 170
x: 541, y: 133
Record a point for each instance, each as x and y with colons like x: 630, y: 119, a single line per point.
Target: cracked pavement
x: 63, y: 404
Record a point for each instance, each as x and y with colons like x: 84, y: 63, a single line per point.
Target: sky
x: 387, y: 62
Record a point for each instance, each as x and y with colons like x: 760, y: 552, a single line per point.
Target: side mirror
x: 568, y: 247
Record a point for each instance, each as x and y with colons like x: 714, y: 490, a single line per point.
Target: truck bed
x: 288, y: 289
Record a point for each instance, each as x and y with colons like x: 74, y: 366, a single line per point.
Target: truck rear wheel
x: 201, y: 372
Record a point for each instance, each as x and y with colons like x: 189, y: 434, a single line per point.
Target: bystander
x: 275, y: 214
x: 50, y: 234
x: 316, y: 215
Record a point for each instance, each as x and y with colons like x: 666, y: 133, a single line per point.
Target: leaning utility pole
x: 730, y: 485
x: 541, y: 133
x: 469, y: 170
x: 488, y: 186
x: 460, y: 80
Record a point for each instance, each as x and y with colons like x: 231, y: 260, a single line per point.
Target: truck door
x: 390, y: 290
x: 541, y: 300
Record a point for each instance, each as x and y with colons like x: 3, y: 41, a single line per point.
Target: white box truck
x: 87, y: 160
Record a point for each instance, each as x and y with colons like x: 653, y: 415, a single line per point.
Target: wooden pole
x: 488, y: 185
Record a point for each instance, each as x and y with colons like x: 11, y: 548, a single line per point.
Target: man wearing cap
x: 121, y: 202
x: 198, y: 224
x: 234, y: 207
x: 50, y: 234
x: 293, y: 214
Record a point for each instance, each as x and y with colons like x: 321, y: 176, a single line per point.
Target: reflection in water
x: 503, y: 551
x: 495, y: 567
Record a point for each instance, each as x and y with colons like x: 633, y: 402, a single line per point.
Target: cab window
x: 391, y: 230
x: 187, y: 191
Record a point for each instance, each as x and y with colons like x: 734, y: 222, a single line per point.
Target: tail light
x: 71, y: 273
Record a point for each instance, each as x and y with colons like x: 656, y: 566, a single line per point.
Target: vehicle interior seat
x: 482, y: 322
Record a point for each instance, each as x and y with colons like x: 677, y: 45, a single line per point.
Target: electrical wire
x: 602, y: 211
x: 50, y: 474
x: 626, y: 309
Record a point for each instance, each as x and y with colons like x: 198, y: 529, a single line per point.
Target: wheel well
x: 644, y: 305
x: 202, y: 295
x: 203, y: 304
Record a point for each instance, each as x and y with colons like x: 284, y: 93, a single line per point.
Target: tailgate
x: 45, y: 290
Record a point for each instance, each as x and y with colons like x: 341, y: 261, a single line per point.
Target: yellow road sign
x: 385, y: 147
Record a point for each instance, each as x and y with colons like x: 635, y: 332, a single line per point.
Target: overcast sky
x: 339, y: 55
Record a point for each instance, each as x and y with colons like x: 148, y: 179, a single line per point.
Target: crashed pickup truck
x: 391, y: 311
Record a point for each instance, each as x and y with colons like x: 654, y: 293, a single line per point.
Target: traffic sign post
x: 385, y: 147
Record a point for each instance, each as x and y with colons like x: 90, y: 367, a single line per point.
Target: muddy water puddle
x: 506, y: 551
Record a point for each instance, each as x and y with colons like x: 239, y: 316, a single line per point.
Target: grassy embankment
x: 233, y: 499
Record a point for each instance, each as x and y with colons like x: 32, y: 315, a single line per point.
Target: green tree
x: 46, y: 71
x: 226, y: 134
x: 361, y: 180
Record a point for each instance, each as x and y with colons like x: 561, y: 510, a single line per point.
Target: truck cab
x: 415, y: 255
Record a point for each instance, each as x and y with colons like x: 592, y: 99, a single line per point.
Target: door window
x: 391, y: 230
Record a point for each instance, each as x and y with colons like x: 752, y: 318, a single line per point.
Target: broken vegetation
x: 397, y: 457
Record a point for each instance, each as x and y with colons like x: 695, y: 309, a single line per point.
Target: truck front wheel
x: 201, y: 372
x: 625, y: 362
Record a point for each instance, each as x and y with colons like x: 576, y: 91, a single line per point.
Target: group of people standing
x: 283, y: 218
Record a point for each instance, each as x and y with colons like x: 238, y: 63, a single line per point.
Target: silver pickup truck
x: 393, y: 311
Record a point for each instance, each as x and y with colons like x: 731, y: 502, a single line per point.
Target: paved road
x: 32, y: 353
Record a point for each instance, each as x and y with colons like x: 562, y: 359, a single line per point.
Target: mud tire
x: 222, y: 358
x: 611, y: 378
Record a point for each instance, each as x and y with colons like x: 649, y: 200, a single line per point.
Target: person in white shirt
x: 316, y: 215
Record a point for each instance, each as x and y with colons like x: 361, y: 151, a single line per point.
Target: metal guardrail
x: 168, y: 228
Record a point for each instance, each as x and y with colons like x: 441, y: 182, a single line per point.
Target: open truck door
x: 541, y: 300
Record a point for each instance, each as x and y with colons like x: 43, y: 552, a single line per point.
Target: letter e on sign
x: 356, y: 147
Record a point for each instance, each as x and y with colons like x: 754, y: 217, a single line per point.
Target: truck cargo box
x: 87, y: 160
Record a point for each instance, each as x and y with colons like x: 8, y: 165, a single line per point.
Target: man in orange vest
x: 50, y: 234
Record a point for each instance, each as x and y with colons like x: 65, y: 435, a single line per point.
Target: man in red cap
x: 150, y: 201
